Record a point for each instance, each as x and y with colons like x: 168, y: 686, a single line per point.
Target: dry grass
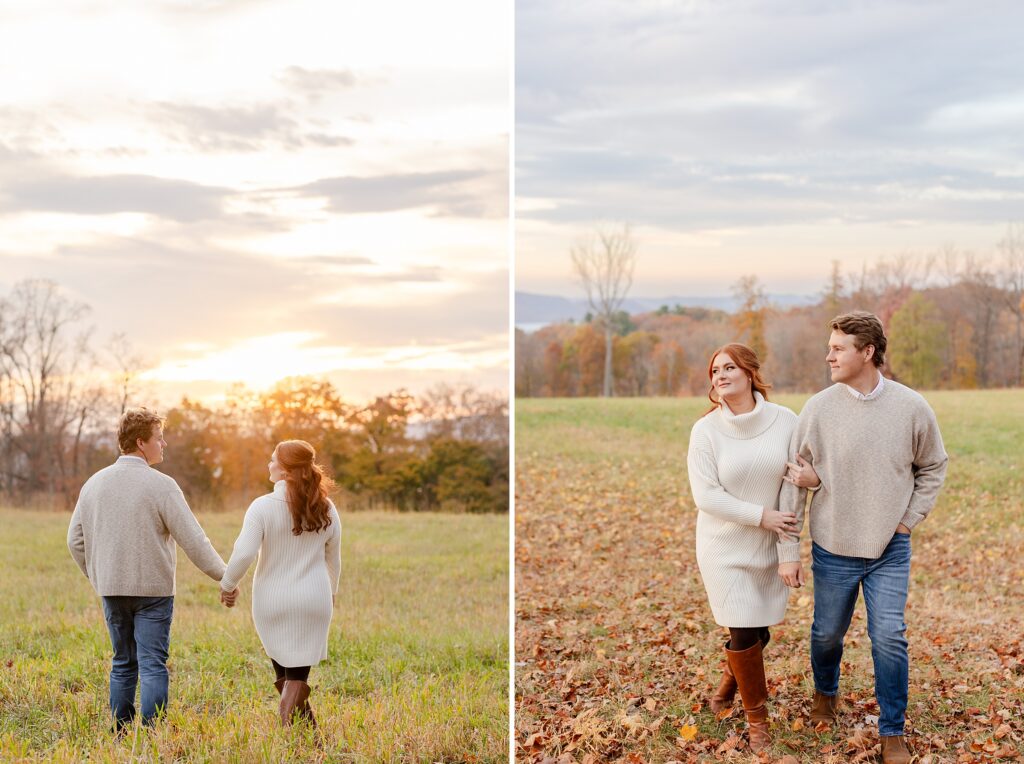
x: 418, y: 667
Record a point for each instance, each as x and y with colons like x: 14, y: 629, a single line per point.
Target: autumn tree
x: 749, y: 319
x: 917, y: 340
x: 525, y: 360
x: 554, y: 372
x: 634, y: 360
x: 670, y: 368
x: 983, y: 304
x: 604, y: 265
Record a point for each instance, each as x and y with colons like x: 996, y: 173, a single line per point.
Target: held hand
x: 228, y: 598
x: 778, y: 522
x: 801, y: 474
x: 901, y: 528
x: 792, y: 574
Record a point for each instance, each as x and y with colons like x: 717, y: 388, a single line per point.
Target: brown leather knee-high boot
x: 748, y: 668
x: 293, y: 696
x: 723, y: 697
x: 306, y: 711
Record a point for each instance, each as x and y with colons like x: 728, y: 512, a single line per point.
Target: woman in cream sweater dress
x: 737, y: 461
x: 296, y: 532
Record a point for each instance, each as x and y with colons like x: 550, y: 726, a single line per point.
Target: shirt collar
x: 129, y: 459
x: 870, y: 396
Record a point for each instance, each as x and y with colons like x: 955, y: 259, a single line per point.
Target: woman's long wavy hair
x: 308, y: 486
x: 746, y: 359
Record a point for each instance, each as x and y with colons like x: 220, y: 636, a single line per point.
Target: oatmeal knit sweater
x: 123, y: 530
x: 881, y: 463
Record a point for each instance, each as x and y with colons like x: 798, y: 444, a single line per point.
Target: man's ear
x: 871, y: 352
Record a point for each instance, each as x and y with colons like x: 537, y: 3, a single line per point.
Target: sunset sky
x: 250, y: 189
x: 764, y: 138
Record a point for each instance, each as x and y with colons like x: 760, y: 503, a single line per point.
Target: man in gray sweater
x: 876, y: 447
x: 122, y: 536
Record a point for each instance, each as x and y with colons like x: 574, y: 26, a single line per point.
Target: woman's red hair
x: 308, y: 486
x: 746, y: 359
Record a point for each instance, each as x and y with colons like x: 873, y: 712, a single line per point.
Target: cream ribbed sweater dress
x: 736, y: 464
x: 295, y: 580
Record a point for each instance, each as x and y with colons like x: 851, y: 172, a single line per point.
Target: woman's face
x: 277, y: 472
x: 728, y: 378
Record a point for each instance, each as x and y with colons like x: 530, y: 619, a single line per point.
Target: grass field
x: 418, y: 667
x: 616, y: 650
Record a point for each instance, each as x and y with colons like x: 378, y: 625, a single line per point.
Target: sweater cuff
x: 911, y: 518
x: 788, y: 552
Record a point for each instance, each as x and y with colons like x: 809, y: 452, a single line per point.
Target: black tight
x: 300, y: 673
x: 743, y: 638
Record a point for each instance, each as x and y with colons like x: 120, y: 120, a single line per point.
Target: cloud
x: 236, y: 128
x: 215, y: 292
x: 317, y: 81
x: 179, y: 200
x: 698, y: 115
x: 458, y: 193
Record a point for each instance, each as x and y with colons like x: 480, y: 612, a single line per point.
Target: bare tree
x: 604, y: 265
x: 948, y: 258
x: 465, y: 413
x: 127, y: 364
x: 983, y: 298
x: 1012, y: 267
x: 44, y: 355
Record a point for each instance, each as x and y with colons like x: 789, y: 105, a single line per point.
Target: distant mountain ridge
x: 535, y: 310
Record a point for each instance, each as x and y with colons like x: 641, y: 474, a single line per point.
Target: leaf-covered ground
x: 616, y: 650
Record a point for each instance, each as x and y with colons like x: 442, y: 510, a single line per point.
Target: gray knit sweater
x: 124, y: 527
x: 881, y: 463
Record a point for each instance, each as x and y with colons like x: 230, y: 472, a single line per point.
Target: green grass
x: 418, y: 667
x: 610, y: 606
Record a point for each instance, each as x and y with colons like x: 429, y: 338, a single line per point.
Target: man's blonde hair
x: 135, y: 424
x: 866, y: 329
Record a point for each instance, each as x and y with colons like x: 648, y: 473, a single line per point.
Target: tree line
x: 61, y: 395
x: 953, y: 320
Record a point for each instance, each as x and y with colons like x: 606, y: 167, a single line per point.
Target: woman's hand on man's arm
x: 792, y: 574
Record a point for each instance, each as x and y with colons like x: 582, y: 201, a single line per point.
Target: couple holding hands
x: 868, y: 452
x: 123, y: 533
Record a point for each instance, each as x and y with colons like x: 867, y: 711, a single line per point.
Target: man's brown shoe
x: 894, y: 750
x: 824, y: 708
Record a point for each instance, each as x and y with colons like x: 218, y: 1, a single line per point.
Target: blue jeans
x: 140, y: 633
x: 885, y: 580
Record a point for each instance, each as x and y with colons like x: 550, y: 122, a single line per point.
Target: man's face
x: 153, y: 449
x: 844, y: 360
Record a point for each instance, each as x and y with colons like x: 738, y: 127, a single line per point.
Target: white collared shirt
x: 873, y: 394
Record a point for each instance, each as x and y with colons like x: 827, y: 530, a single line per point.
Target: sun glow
x: 259, y: 362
